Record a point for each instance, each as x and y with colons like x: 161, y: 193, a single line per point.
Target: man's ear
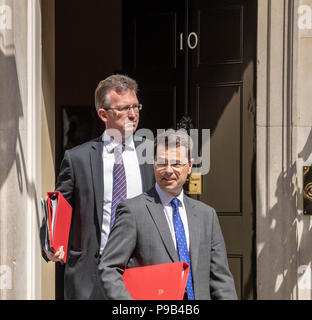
x: 190, y: 166
x: 102, y: 115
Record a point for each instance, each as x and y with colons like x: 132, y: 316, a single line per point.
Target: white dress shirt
x: 133, y: 176
x: 165, y: 199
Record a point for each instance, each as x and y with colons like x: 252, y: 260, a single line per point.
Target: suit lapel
x: 97, y: 176
x: 145, y: 168
x: 194, y: 227
x: 157, y: 212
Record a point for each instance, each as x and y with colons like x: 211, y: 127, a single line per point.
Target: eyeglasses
x: 175, y: 166
x: 126, y: 109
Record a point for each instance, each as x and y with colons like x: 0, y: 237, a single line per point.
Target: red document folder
x: 158, y: 282
x: 62, y: 220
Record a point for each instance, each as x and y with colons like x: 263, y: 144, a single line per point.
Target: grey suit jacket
x: 141, y: 237
x: 81, y: 182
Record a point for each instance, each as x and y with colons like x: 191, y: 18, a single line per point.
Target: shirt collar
x: 110, y: 144
x: 166, y: 197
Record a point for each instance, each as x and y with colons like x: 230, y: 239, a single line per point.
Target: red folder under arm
x: 158, y: 282
x: 63, y: 215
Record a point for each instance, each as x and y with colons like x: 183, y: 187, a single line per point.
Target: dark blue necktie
x: 119, y: 183
x: 182, y: 245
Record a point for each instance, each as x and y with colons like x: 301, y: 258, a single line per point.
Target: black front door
x: 151, y: 55
x: 198, y: 58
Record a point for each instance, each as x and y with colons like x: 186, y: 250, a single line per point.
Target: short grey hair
x: 118, y: 82
x: 173, y: 139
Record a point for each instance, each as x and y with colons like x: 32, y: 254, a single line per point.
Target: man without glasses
x: 163, y: 225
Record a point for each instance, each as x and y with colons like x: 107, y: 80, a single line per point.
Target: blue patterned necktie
x: 119, y: 183
x: 182, y: 245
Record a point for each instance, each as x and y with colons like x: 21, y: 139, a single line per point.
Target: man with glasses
x: 94, y: 178
x: 163, y: 225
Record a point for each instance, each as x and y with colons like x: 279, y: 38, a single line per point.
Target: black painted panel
x: 236, y: 268
x: 225, y: 24
x: 155, y: 39
x: 159, y: 106
x: 219, y: 109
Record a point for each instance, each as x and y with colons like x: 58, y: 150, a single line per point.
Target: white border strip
x: 33, y: 157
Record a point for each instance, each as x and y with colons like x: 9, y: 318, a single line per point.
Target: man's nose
x: 168, y: 169
x: 131, y: 114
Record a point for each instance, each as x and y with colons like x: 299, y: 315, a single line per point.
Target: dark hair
x: 118, y: 82
x: 172, y: 139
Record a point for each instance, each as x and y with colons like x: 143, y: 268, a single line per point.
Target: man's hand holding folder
x: 57, y: 220
x: 57, y: 256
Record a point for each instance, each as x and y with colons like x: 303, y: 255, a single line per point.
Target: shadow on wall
x: 281, y: 225
x: 11, y: 111
x: 304, y: 270
x: 11, y: 145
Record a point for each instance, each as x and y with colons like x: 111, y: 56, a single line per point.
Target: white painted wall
x: 20, y: 147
